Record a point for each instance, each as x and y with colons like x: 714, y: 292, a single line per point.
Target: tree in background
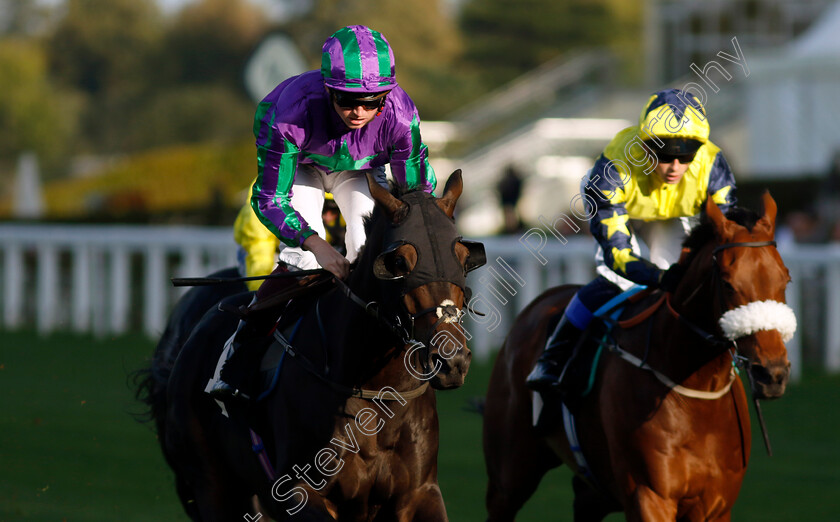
x: 199, y: 95
x: 34, y: 115
x: 104, y: 50
x: 425, y: 39
x: 103, y: 47
x: 507, y: 38
x: 210, y: 41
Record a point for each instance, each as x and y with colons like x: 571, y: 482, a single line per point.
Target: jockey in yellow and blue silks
x: 257, y: 247
x: 649, y: 183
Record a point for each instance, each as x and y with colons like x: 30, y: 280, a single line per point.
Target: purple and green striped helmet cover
x: 358, y: 59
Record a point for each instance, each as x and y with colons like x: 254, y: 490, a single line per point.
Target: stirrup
x: 542, y: 377
x: 222, y: 390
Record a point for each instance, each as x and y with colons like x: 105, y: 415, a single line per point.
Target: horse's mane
x: 704, y: 232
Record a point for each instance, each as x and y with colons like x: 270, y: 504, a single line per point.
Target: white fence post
x: 119, y: 282
x: 155, y: 292
x: 832, y: 336
x: 13, y: 279
x: 81, y: 288
x: 46, y: 288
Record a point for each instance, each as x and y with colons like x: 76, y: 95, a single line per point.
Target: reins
x: 707, y: 337
x: 358, y: 393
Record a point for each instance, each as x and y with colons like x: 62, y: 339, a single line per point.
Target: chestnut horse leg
x: 425, y: 504
x: 645, y: 505
x: 516, y: 458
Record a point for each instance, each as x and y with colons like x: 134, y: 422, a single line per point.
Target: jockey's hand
x: 669, y: 279
x: 327, y: 256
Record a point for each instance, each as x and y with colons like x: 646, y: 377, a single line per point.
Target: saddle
x: 264, y: 315
x: 578, y: 376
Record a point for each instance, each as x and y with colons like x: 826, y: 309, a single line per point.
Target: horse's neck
x: 365, y: 352
x: 686, y: 354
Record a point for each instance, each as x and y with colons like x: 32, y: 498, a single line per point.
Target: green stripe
x: 257, y: 188
x: 262, y: 110
x: 326, y: 65
x: 383, y: 55
x: 417, y: 160
x: 352, y: 54
x: 288, y: 163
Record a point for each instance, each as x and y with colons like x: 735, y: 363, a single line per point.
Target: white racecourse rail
x: 113, y: 279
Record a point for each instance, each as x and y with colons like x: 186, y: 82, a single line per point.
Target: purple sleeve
x: 277, y: 160
x: 409, y: 156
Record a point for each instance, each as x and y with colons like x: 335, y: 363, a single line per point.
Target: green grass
x: 71, y: 450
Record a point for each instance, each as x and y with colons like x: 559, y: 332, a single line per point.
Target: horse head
x: 750, y: 279
x: 422, y: 264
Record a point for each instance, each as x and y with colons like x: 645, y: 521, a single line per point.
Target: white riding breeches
x: 350, y: 191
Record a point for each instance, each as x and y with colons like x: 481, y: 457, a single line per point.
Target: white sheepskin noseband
x: 759, y: 315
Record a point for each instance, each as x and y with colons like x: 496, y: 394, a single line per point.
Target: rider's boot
x: 559, y: 348
x: 247, y: 349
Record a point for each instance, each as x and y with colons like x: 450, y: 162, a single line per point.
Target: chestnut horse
x: 350, y: 431
x: 667, y: 436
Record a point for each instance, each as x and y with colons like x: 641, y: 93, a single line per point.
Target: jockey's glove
x: 669, y: 279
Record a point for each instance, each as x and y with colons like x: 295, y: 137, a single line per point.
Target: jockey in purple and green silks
x: 319, y: 132
x: 322, y: 131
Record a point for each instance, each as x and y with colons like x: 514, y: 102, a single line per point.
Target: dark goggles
x: 351, y: 100
x: 661, y: 157
x: 671, y: 149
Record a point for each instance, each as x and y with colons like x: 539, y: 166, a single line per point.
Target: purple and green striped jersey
x: 297, y: 124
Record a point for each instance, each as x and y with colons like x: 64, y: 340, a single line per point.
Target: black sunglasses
x: 349, y: 100
x: 670, y: 158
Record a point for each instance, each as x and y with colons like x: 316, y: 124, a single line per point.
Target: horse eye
x: 400, y: 264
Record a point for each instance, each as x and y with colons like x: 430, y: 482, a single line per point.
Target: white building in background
x: 793, y: 103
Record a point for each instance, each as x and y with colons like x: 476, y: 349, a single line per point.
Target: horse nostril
x: 774, y: 374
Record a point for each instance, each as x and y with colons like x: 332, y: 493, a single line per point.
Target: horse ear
x: 716, y: 216
x: 768, y: 220
x: 383, y: 198
x: 451, y: 193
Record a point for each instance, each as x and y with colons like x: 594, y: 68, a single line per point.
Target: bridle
x: 432, y: 234
x: 715, y: 274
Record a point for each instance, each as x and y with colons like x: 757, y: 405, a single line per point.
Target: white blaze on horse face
x: 756, y: 316
x: 443, y: 308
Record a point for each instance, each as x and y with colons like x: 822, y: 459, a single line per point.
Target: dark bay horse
x: 670, y: 440
x: 350, y: 431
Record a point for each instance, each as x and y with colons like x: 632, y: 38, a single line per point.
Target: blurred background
x: 126, y: 150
